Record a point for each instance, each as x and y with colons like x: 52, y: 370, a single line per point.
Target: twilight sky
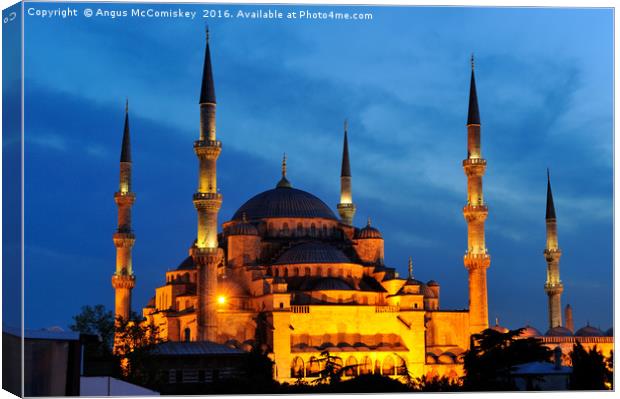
x: 544, y: 79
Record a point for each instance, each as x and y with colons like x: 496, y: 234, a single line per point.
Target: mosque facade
x: 290, y: 277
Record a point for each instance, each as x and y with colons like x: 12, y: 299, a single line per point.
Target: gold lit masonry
x: 289, y: 277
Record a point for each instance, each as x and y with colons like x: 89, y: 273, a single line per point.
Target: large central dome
x: 282, y: 202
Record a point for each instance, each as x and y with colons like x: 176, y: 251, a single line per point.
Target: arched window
x: 296, y: 271
x: 307, y: 271
x: 188, y: 334
x: 313, y: 230
x: 366, y: 366
x: 388, y: 366
x: 319, y: 271
x: 324, y: 230
x: 300, y: 230
x: 276, y: 272
x: 271, y: 229
x: 351, y: 367
x: 285, y: 272
x: 312, y: 367
x: 330, y: 272
x: 297, y: 368
x: 285, y: 229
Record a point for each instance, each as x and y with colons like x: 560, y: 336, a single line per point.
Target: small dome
x: 432, y: 283
x: 428, y: 293
x: 499, y: 329
x: 331, y: 283
x: 243, y: 229
x: 559, y: 332
x: 589, y: 331
x: 368, y: 232
x: 312, y: 252
x: 529, y: 331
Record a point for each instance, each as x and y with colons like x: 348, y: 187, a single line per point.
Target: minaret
x: 477, y: 259
x: 553, y: 286
x: 410, y: 269
x: 568, y: 317
x: 206, y: 253
x: 346, y: 207
x: 123, y: 280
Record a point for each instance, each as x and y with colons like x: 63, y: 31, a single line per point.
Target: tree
x: 333, y: 370
x: 134, y: 343
x: 96, y: 320
x: 493, y: 355
x: 589, y: 369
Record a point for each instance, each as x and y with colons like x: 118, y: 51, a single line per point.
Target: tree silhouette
x: 493, y: 355
x: 589, y: 369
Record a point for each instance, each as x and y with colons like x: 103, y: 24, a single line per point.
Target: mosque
x: 289, y: 276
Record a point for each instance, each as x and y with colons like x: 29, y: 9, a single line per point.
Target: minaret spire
x: 477, y: 259
x: 346, y: 207
x: 207, y: 200
x: 123, y: 279
x: 553, y: 285
x: 126, y: 146
x: 473, y: 114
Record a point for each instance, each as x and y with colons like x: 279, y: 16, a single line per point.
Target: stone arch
x: 365, y: 366
x: 388, y: 366
x: 297, y: 368
x: 312, y: 367
x: 401, y: 366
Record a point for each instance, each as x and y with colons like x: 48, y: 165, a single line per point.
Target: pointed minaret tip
x: 207, y: 89
x: 345, y: 170
x: 126, y: 146
x: 473, y: 114
x: 550, y: 214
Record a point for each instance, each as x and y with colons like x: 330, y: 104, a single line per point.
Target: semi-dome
x: 282, y: 202
x: 243, y: 229
x: 312, y: 252
x: 589, y: 331
x: 368, y: 232
x: 529, y: 331
x: 559, y: 332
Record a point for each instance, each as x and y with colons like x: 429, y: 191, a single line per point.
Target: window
x: 366, y: 366
x: 281, y: 305
x: 188, y: 334
x: 300, y: 229
x: 297, y: 368
x: 285, y: 229
x: 312, y: 230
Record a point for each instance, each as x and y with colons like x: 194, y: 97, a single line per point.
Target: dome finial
x: 368, y: 222
x: 126, y: 105
x: 472, y: 61
x: 283, y: 181
x: 207, y: 32
x: 496, y: 321
x: 410, y: 268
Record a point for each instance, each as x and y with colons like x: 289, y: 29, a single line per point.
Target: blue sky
x: 544, y: 79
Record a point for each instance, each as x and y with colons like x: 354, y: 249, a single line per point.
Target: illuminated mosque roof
x: 284, y: 201
x: 312, y: 252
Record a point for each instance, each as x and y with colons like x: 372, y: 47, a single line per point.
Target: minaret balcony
x: 207, y: 143
x: 124, y: 197
x: 210, y: 202
x: 474, y: 161
x: 123, y: 281
x: 475, y: 213
x: 477, y: 260
x: 554, y: 288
